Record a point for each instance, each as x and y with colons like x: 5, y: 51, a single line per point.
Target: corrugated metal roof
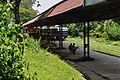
x: 59, y: 8
x: 66, y: 6
x: 39, y: 17
x: 72, y: 11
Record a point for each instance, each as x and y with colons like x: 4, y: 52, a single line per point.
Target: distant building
x: 51, y: 33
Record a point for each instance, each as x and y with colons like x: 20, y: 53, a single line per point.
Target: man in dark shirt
x: 74, y: 48
x: 70, y: 47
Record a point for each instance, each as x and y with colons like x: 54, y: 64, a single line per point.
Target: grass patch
x: 101, y: 45
x: 48, y: 66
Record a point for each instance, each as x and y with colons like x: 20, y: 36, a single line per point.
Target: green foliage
x: 35, y: 46
x: 74, y: 29
x: 105, y: 35
x: 109, y: 29
x: 26, y: 14
x: 12, y: 64
x: 3, y: 1
x: 114, y: 32
x: 117, y: 20
x: 96, y: 29
x: 0, y: 2
x: 27, y: 4
x: 96, y: 26
x: 98, y: 35
x: 26, y: 11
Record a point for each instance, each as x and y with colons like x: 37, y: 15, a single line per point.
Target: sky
x: 45, y: 4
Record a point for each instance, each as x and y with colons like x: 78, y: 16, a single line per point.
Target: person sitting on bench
x: 72, y: 48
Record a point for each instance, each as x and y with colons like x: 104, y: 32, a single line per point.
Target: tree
x: 27, y: 4
x: 26, y: 14
x: 15, y: 9
x: 26, y: 10
x: 74, y: 29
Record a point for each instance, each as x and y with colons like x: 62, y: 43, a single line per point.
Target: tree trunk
x: 16, y: 11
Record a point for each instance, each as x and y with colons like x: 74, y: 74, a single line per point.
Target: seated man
x: 72, y: 48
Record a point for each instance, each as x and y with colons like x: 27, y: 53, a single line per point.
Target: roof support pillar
x: 60, y: 36
x: 86, y: 40
x: 40, y: 32
x: 48, y: 36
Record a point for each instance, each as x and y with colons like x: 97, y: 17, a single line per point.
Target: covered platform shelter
x: 75, y: 11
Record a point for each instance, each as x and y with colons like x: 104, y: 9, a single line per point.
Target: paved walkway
x: 104, y: 67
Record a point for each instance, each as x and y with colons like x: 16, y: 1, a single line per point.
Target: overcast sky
x: 45, y: 4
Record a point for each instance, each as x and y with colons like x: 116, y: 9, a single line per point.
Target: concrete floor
x: 104, y: 67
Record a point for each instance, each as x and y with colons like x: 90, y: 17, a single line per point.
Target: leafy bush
x: 107, y: 29
x: 11, y: 49
x: 114, y: 33
x: 98, y: 35
x: 105, y: 35
x: 35, y: 46
x: 74, y: 29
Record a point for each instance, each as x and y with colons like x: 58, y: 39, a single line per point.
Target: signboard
x: 92, y: 2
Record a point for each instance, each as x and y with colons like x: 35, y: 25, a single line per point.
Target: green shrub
x: 98, y: 35
x: 105, y: 35
x: 114, y: 33
x: 12, y: 64
x: 35, y: 46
